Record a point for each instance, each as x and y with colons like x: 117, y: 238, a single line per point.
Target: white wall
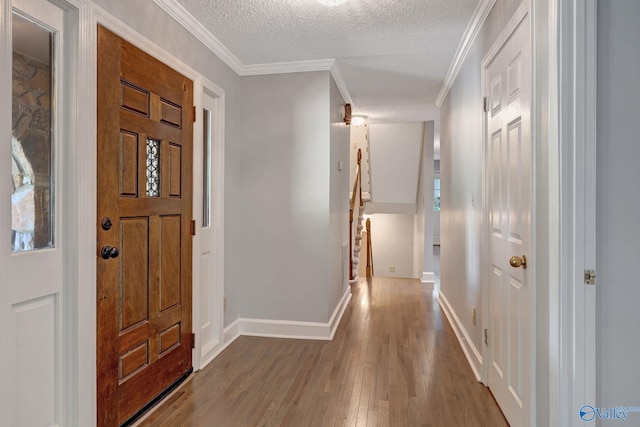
x: 360, y: 140
x: 395, y: 162
x: 618, y: 204
x: 339, y: 201
x: 284, y: 188
x: 392, y: 241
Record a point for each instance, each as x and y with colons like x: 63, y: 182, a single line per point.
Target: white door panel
x: 509, y: 188
x: 32, y: 362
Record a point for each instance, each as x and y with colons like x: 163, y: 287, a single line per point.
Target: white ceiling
x: 393, y: 54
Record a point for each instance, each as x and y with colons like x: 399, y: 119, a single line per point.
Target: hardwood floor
x: 394, y: 361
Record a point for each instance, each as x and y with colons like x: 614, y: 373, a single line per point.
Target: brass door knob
x: 516, y: 262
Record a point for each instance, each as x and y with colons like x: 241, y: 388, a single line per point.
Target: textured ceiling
x: 393, y: 54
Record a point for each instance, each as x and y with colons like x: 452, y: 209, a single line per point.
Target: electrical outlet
x: 392, y: 269
x: 225, y: 303
x: 473, y: 316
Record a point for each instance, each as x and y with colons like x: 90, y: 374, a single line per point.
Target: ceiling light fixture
x: 331, y: 3
x: 358, y: 120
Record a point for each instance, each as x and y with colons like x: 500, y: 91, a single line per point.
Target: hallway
x: 394, y: 361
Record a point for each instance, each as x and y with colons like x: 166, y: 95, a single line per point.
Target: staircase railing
x: 356, y: 200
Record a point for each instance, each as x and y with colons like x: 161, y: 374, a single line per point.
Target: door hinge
x: 486, y: 337
x: 193, y: 340
x: 485, y: 104
x: 194, y: 114
x: 193, y: 227
x: 590, y: 277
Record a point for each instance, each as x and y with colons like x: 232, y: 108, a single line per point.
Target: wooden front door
x: 145, y: 126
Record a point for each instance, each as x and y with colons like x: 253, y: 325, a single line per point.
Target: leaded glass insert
x: 153, y: 168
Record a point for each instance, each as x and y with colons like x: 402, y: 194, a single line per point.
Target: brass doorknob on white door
x: 516, y: 262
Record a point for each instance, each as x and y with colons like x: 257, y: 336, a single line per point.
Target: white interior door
x: 33, y: 251
x: 508, y: 82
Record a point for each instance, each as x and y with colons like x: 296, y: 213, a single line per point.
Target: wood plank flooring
x: 394, y: 361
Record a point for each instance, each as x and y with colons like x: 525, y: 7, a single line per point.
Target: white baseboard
x: 280, y: 329
x: 428, y: 277
x: 336, y: 317
x: 294, y: 329
x: 470, y: 351
x: 229, y: 335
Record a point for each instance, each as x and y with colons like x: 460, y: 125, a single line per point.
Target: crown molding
x: 470, y: 33
x: 287, y: 67
x: 342, y: 85
x: 200, y: 32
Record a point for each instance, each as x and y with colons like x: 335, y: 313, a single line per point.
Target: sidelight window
x: 32, y: 174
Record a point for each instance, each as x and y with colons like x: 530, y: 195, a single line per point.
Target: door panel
x: 32, y: 243
x: 509, y: 198
x: 144, y: 187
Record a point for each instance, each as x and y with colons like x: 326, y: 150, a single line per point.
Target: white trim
x: 113, y: 24
x: 229, y: 335
x: 336, y: 317
x: 200, y: 32
x: 287, y: 328
x: 573, y: 363
x: 231, y: 332
x: 286, y: 67
x: 470, y: 351
x: 86, y: 210
x: 342, y: 85
x: 428, y: 277
x: 470, y: 33
x: 8, y: 376
x: 76, y: 80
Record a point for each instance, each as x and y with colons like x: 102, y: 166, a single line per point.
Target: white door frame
x: 5, y: 193
x: 576, y: 308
